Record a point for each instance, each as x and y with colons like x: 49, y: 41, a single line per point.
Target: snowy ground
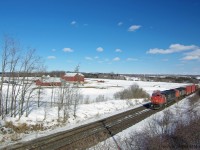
x: 86, y: 112
x: 179, y: 113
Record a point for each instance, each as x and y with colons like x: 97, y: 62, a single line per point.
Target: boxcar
x: 188, y: 89
x: 182, y: 91
x: 193, y: 88
x: 177, y: 94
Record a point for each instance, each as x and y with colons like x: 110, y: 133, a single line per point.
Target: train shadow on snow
x: 147, y: 105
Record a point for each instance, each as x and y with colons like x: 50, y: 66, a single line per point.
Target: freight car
x: 181, y: 91
x: 162, y: 98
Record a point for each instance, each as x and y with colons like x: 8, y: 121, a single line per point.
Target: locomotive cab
x: 157, y: 100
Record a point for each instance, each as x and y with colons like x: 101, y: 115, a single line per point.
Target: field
x: 96, y: 102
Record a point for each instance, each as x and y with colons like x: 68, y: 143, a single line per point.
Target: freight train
x: 161, y: 99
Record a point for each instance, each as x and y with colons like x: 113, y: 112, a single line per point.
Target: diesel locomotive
x: 163, y: 98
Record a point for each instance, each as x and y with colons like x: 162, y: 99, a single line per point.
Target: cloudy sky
x: 120, y: 36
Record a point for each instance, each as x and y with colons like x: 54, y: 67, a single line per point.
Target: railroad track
x: 85, y: 136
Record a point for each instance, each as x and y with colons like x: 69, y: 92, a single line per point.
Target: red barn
x: 73, y: 77
x: 48, y: 82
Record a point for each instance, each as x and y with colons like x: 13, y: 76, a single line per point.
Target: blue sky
x: 120, y: 36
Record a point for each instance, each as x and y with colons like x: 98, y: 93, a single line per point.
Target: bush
x: 193, y: 99
x: 101, y: 98
x: 132, y: 92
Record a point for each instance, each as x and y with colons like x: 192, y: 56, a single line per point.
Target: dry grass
x: 24, y: 128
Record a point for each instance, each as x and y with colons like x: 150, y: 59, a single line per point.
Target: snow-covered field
x: 86, y: 112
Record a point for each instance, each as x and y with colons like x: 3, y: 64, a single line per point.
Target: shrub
x: 16, y: 137
x: 133, y: 91
x: 21, y: 128
x: 193, y: 99
x: 86, y: 100
x: 101, y: 98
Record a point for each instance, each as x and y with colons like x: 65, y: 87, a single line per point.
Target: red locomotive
x: 162, y: 98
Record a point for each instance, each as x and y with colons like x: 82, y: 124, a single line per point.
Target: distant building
x: 48, y: 81
x: 73, y: 77
x: 111, y: 76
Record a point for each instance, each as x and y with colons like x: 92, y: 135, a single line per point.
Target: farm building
x: 48, y: 81
x: 73, y: 77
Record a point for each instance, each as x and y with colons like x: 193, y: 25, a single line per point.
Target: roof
x: 168, y: 91
x: 73, y: 74
x: 51, y: 79
x: 47, y: 76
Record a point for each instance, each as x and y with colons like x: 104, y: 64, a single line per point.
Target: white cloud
x: 173, y: 48
x: 88, y: 58
x: 118, y: 50
x: 68, y: 50
x: 92, y: 58
x: 73, y: 22
x: 195, y: 52
x: 131, y: 59
x: 134, y: 28
x: 120, y: 23
x: 157, y: 51
x: 190, y: 58
x: 116, y: 59
x: 99, y: 49
x: 194, y: 55
x: 51, y: 57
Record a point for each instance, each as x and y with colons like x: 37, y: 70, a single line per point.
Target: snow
x: 179, y: 113
x: 86, y: 112
x: 198, y: 78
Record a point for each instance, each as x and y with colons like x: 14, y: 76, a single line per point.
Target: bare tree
x: 30, y: 64
x: 60, y: 98
x: 39, y: 95
x: 16, y: 68
x: 76, y: 92
x: 30, y: 95
x: 41, y: 70
x: 76, y: 98
x: 10, y: 60
x: 64, y: 99
x: 52, y: 95
x: 12, y: 64
x: 4, y: 64
x: 69, y: 97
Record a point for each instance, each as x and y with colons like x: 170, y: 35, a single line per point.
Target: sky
x: 118, y: 36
